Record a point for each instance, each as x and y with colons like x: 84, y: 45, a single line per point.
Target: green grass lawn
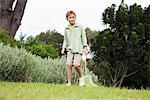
x: 42, y: 91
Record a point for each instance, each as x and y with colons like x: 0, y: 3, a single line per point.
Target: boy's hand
x: 85, y: 50
x: 63, y: 51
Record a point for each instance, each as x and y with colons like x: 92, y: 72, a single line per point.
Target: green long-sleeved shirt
x: 75, y: 38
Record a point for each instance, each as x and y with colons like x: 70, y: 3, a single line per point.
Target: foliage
x: 31, y: 44
x: 43, y: 50
x: 14, y: 64
x: 51, y: 37
x: 49, y: 70
x: 90, y: 34
x: 31, y: 41
x: 19, y: 65
x: 46, y: 44
x: 7, y: 39
x: 122, y: 51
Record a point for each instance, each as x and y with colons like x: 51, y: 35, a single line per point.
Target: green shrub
x: 5, y: 38
x: 40, y: 49
x: 19, y: 65
x: 44, y: 50
x: 32, y: 46
x: 48, y: 70
x: 14, y: 63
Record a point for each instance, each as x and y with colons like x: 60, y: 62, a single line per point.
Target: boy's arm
x: 64, y: 46
x: 84, y: 39
x: 65, y: 40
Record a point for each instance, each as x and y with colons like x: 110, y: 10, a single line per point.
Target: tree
x: 122, y: 50
x: 90, y: 34
x: 31, y: 41
x: 40, y: 49
x: 10, y: 18
x: 51, y: 37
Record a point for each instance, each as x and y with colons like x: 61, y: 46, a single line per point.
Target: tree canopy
x: 122, y: 50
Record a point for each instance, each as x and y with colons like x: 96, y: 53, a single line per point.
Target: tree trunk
x: 122, y: 1
x: 10, y: 19
x: 123, y: 77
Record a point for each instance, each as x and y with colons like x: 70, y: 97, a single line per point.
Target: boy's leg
x: 77, y: 67
x: 77, y: 59
x: 76, y: 62
x: 69, y: 65
x: 81, y: 79
x: 69, y: 73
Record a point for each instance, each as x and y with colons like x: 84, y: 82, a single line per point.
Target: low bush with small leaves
x: 19, y: 65
x: 5, y: 38
x: 14, y: 63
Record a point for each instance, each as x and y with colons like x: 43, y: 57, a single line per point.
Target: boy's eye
x: 71, y: 17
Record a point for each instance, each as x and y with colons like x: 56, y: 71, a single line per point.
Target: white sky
x: 43, y: 15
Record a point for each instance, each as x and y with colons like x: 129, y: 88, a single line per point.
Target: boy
x: 75, y: 42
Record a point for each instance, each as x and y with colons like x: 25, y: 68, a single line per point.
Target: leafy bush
x: 6, y: 39
x: 31, y: 45
x: 44, y: 50
x: 14, y: 64
x: 40, y: 49
x: 48, y: 70
x: 19, y: 65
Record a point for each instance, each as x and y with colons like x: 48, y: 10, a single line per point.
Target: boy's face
x: 71, y: 18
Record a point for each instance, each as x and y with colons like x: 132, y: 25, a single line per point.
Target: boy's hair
x: 69, y: 13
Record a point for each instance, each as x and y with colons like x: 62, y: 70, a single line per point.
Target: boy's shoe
x: 68, y: 84
x: 81, y: 81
